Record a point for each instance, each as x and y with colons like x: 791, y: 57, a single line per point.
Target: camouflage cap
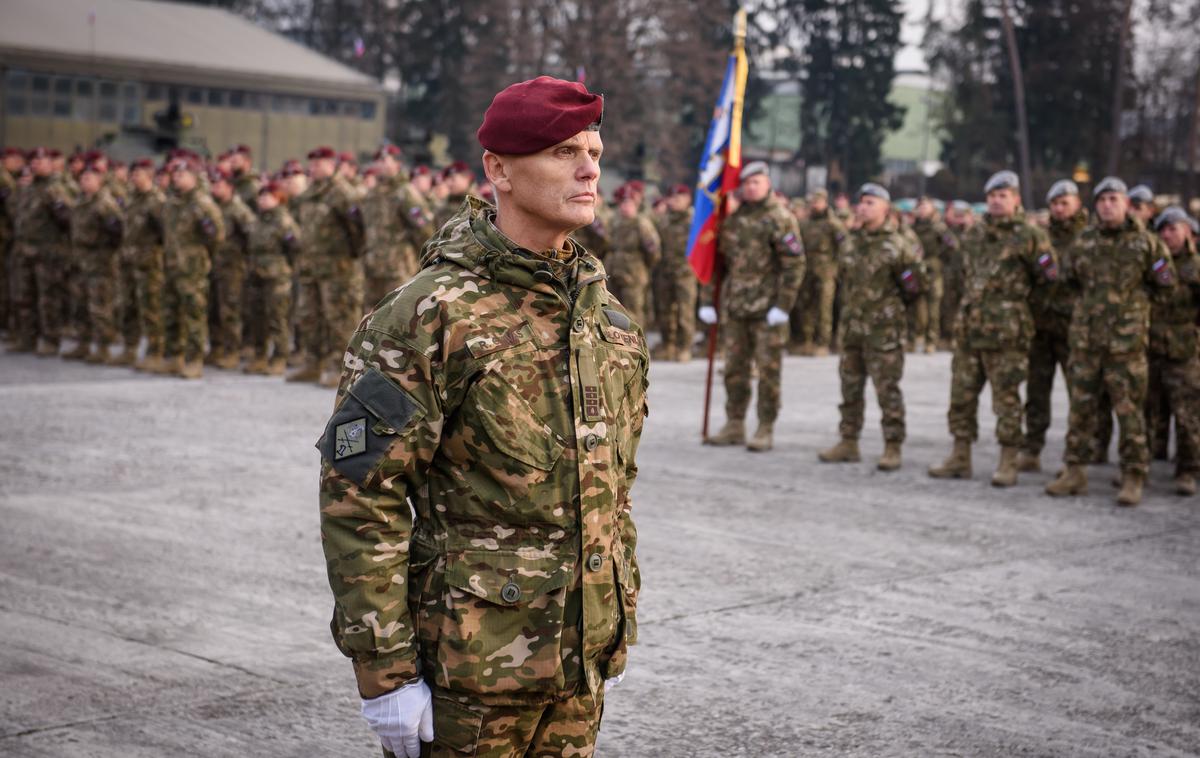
x: 1141, y: 194
x: 1060, y: 188
x: 874, y: 190
x: 754, y: 168
x: 1110, y: 184
x: 1002, y: 180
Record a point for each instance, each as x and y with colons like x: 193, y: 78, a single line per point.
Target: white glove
x: 776, y: 317
x: 610, y: 683
x: 707, y: 314
x: 401, y: 717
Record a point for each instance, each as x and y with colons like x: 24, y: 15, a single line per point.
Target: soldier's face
x: 422, y: 183
x: 184, y: 181
x: 679, y: 202
x: 628, y: 207
x: 924, y: 210
x: 1111, y: 207
x: 222, y: 191
x: 1064, y: 207
x: 13, y: 164
x: 141, y: 179
x: 818, y: 204
x: 756, y: 188
x: 267, y: 201
x: 321, y: 168
x: 41, y: 166
x: 1144, y: 211
x: 872, y: 211
x: 1002, y: 203
x: 90, y: 182
x: 556, y: 186
x: 1175, y: 235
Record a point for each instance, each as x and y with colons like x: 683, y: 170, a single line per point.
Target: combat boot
x: 958, y: 465
x: 820, y: 351
x: 79, y: 353
x: 1071, y: 481
x: 683, y: 354
x: 153, y: 363
x: 257, y: 365
x: 276, y: 366
x: 229, y: 361
x: 305, y: 372
x: 845, y: 451
x: 733, y: 433
x: 1185, y: 484
x: 18, y: 345
x: 214, y: 357
x: 1006, y: 471
x: 193, y: 369
x: 46, y: 349
x: 890, y: 460
x: 1131, y: 488
x: 763, y: 439
x: 1029, y: 463
x: 127, y: 357
x: 930, y: 348
x: 99, y: 355
x: 804, y: 349
x: 918, y: 345
x: 659, y: 353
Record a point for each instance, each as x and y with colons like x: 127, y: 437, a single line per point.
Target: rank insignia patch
x: 350, y: 439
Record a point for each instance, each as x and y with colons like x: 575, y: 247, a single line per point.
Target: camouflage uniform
x: 764, y: 267
x: 1051, y: 306
x: 1174, y: 362
x: 1004, y: 260
x: 675, y: 287
x: 96, y: 229
x: 396, y: 222
x: 272, y: 244
x: 229, y: 277
x: 43, y: 224
x: 1114, y: 271
x: 824, y: 243
x: 8, y: 192
x: 879, y: 271
x: 193, y: 227
x: 143, y: 254
x: 449, y: 208
x: 329, y: 271
x: 636, y: 248
x: 246, y: 186
x: 952, y: 283
x: 596, y: 236
x: 502, y: 393
x: 938, y: 247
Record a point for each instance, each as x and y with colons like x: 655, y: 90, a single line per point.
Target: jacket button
x: 595, y: 562
x: 591, y: 441
x: 543, y: 276
x: 510, y: 593
x: 578, y: 325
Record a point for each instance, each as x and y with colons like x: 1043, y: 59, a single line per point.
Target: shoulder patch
x: 793, y: 244
x: 373, y: 415
x: 1162, y: 272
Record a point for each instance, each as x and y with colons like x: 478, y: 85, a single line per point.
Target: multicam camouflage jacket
x: 1053, y: 303
x: 1115, y: 272
x: 96, y: 228
x: 938, y: 243
x: 673, y: 229
x: 330, y: 224
x: 273, y: 243
x: 8, y: 204
x: 396, y: 223
x: 246, y: 187
x: 595, y: 236
x: 636, y: 247
x: 763, y: 257
x: 879, y: 270
x: 239, y: 225
x: 502, y: 393
x: 143, y: 227
x: 1174, y: 313
x: 43, y: 215
x: 1004, y: 260
x: 825, y: 239
x: 193, y: 228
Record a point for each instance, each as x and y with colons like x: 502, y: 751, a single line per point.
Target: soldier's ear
x: 497, y: 169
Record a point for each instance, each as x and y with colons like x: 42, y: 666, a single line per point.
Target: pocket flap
x: 385, y: 400
x: 508, y: 577
x: 518, y: 432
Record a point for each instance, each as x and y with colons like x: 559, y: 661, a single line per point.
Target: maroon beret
x: 347, y: 157
x: 55, y: 153
x: 531, y: 116
x: 145, y: 163
x: 391, y: 150
x: 10, y: 151
x: 241, y: 150
x: 321, y: 152
x: 96, y: 167
x: 637, y: 187
x: 291, y: 168
x: 421, y: 170
x: 458, y: 167
x: 681, y: 189
x: 38, y: 152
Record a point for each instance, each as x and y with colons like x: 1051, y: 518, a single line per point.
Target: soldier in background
x: 674, y: 281
x: 939, y: 247
x: 329, y: 271
x: 764, y: 266
x: 396, y: 223
x: 1116, y: 266
x: 842, y: 210
x: 1004, y: 260
x: 596, y: 236
x: 1142, y: 206
x: 959, y: 218
x: 458, y: 181
x: 824, y: 240
x: 97, y: 226
x: 245, y: 183
x: 1051, y: 306
x: 348, y: 170
x: 142, y: 256
x: 272, y: 247
x: 193, y: 228
x: 636, y: 249
x: 421, y: 179
x: 14, y: 161
x: 879, y: 271
x: 229, y: 273
x: 43, y: 229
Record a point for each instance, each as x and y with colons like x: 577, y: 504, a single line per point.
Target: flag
x: 721, y: 161
x: 581, y: 74
x: 360, y: 48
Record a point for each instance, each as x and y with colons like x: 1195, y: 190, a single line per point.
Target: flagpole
x: 733, y: 158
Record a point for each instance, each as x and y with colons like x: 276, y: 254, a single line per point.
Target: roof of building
x: 164, y: 37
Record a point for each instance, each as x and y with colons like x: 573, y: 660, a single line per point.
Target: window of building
x: 195, y: 96
x: 155, y: 92
x: 39, y: 105
x: 63, y: 85
x: 16, y: 104
x: 107, y: 110
x: 255, y: 101
x: 83, y: 88
x: 237, y: 99
x: 368, y: 111
x: 108, y: 89
x: 16, y: 79
x: 216, y: 98
x: 41, y: 83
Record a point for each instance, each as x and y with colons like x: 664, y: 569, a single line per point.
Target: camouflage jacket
x: 938, y: 243
x: 193, y: 227
x: 673, y: 230
x: 1003, y: 261
x: 1174, y: 314
x: 879, y: 270
x: 763, y: 258
x: 1115, y: 271
x: 8, y: 195
x: 503, y: 393
x: 825, y: 239
x: 118, y: 189
x: 449, y: 208
x: 246, y: 186
x: 273, y: 243
x: 1053, y: 303
x: 595, y: 236
x: 143, y: 227
x: 44, y: 212
x: 396, y: 223
x: 330, y: 225
x: 636, y: 248
x: 239, y: 225
x: 96, y: 228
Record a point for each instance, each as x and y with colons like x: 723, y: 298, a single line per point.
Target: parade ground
x: 163, y: 590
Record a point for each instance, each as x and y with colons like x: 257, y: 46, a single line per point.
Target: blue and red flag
x: 721, y: 161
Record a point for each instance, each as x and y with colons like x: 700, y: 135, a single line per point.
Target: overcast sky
x: 910, y: 57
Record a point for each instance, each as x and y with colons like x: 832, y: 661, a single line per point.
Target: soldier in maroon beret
x: 422, y: 179
x: 501, y: 391
x: 458, y: 181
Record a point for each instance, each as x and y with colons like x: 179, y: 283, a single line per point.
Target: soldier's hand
x: 402, y: 718
x: 707, y: 314
x: 613, y: 682
x: 776, y: 316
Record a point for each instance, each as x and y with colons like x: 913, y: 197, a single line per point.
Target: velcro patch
x: 908, y: 280
x: 373, y: 415
x: 1163, y: 272
x: 1049, y: 267
x: 793, y: 244
x: 416, y: 214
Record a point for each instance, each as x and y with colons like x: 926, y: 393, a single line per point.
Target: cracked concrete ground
x: 162, y: 590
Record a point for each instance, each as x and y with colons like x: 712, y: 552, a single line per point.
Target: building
x: 77, y: 73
